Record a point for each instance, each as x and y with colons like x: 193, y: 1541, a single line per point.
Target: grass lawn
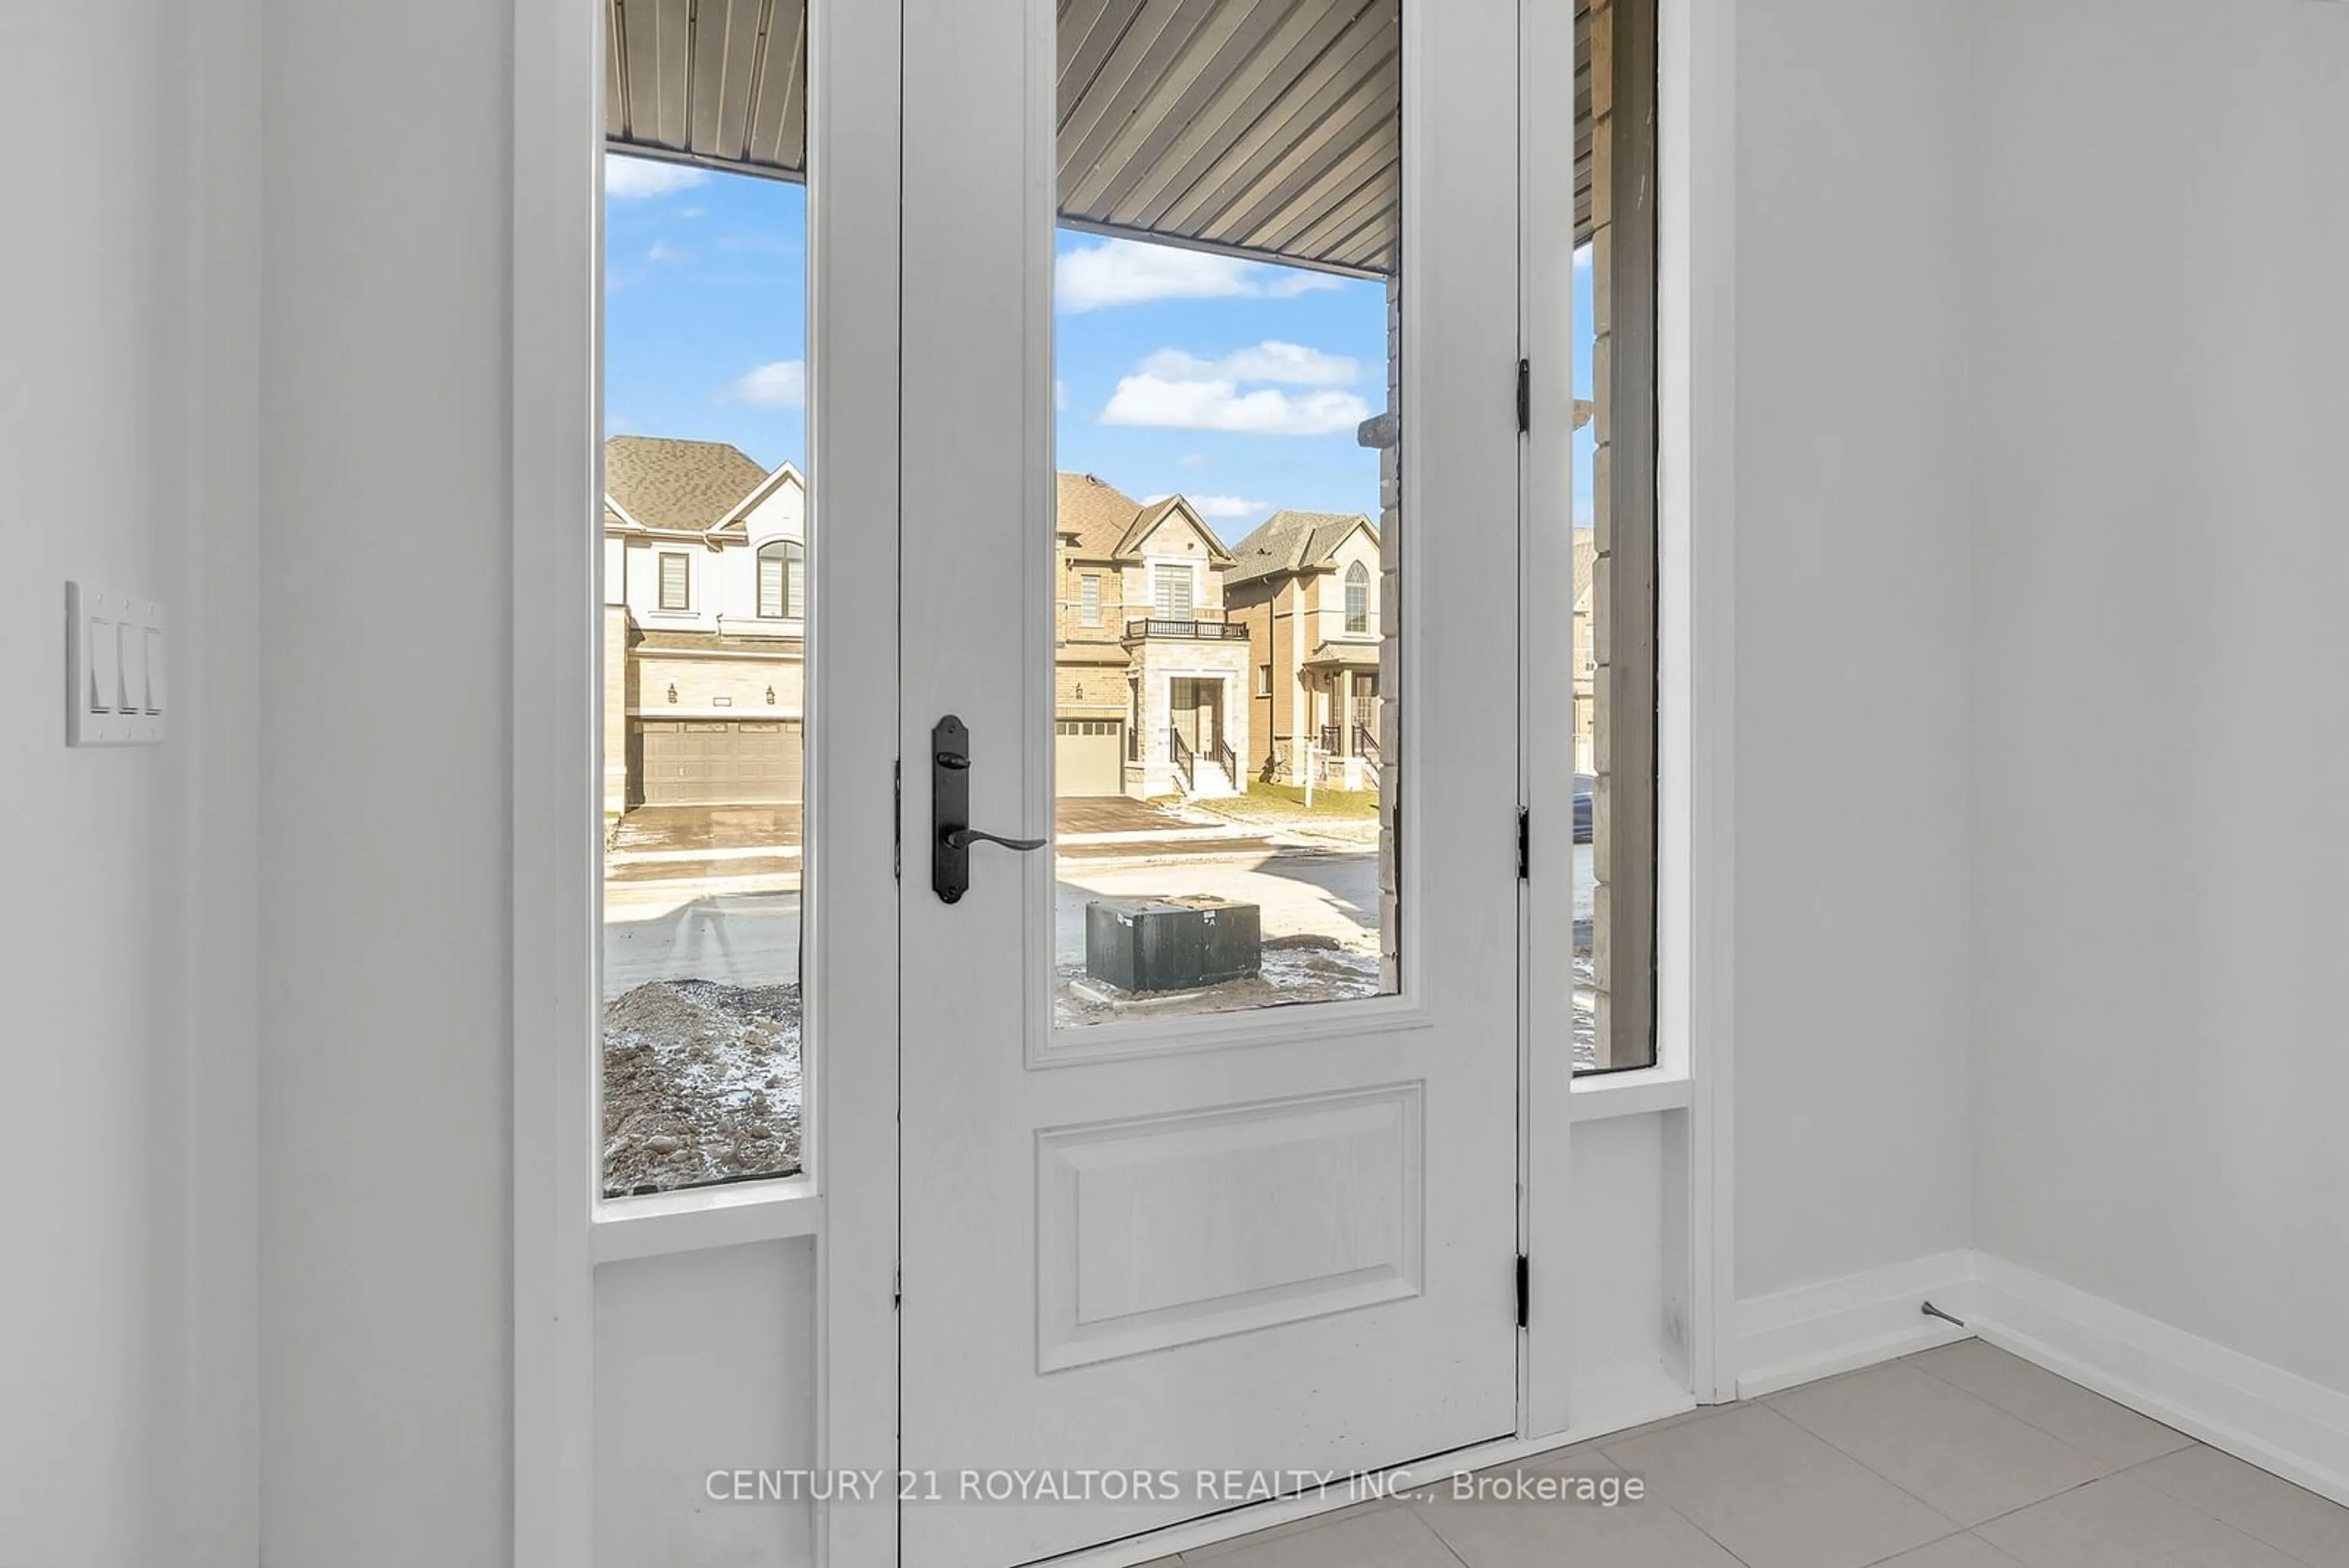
x: 1286, y: 802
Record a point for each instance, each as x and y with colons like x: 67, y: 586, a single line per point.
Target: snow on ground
x: 701, y: 1084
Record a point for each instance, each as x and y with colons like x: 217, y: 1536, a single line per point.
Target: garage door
x: 685, y: 762
x: 1088, y: 756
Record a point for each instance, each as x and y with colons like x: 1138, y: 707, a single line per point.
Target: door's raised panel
x: 1170, y: 1229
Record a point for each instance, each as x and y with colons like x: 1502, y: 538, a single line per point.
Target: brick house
x: 705, y: 605
x: 1306, y: 586
x: 1150, y: 688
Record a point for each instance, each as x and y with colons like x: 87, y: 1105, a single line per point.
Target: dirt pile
x: 701, y: 1084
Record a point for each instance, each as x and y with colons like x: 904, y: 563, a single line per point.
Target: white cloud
x: 629, y: 179
x: 1582, y: 259
x: 663, y: 251
x: 1226, y: 505
x: 1270, y: 360
x: 1129, y: 272
x: 1219, y: 405
x: 1195, y: 460
x: 780, y: 385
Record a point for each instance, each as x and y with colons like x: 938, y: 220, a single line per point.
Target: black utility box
x: 1164, y: 944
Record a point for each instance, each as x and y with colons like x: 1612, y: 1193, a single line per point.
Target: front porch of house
x: 1335, y: 741
x: 1190, y: 708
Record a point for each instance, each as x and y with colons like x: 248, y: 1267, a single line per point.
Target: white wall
x: 386, y: 1149
x: 1852, y: 550
x: 2159, y: 745
x: 127, y: 431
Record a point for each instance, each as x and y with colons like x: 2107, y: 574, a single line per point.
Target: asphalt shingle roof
x: 663, y: 482
x: 1097, y: 511
x: 1290, y: 541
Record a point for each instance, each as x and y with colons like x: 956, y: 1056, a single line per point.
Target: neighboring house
x: 705, y: 590
x: 1306, y: 586
x: 1150, y: 678
x: 705, y: 570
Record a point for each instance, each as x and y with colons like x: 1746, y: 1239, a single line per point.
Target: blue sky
x: 1236, y: 384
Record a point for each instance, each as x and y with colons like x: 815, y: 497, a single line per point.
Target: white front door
x: 1210, y: 1160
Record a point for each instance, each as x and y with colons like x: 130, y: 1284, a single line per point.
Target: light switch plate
x: 100, y: 683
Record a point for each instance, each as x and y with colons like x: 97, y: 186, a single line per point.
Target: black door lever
x: 964, y: 837
x: 951, y: 834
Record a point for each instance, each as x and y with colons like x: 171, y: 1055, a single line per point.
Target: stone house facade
x: 1150, y: 673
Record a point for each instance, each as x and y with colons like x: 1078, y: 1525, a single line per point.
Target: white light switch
x: 154, y: 670
x: 132, y: 641
x: 105, y: 665
x: 115, y: 645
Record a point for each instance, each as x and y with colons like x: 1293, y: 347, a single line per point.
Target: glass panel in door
x: 1225, y: 285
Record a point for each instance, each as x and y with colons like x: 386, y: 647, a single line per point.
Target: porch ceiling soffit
x: 1257, y: 127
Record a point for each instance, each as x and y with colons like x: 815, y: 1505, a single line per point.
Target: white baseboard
x: 1818, y: 1331
x: 2275, y: 1419
x: 2261, y: 1413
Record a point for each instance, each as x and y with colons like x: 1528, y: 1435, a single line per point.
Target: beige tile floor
x: 1964, y: 1457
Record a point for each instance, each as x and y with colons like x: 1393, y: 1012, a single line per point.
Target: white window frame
x: 786, y: 605
x: 847, y: 1199
x: 1164, y: 576
x: 1089, y: 599
x: 683, y: 559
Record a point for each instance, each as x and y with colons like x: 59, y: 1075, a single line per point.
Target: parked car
x: 1584, y: 786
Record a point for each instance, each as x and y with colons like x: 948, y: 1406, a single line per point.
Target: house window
x: 675, y: 581
x: 1614, y: 445
x: 1089, y: 599
x: 1170, y: 585
x: 1357, y: 597
x: 1264, y: 680
x: 782, y: 580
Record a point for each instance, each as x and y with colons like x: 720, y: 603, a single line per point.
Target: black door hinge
x: 1525, y: 1293
x: 1524, y: 844
x: 1524, y: 397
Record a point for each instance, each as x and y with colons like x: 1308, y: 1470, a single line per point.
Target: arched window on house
x: 782, y: 580
x: 1357, y: 597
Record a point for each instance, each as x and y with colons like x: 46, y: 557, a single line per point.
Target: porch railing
x: 1230, y: 759
x: 1185, y: 630
x: 1185, y: 763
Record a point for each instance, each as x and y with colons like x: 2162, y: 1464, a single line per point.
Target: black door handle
x: 964, y: 837
x: 951, y: 834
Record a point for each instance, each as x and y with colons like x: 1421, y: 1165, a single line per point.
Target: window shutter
x: 1174, y: 585
x: 675, y: 582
